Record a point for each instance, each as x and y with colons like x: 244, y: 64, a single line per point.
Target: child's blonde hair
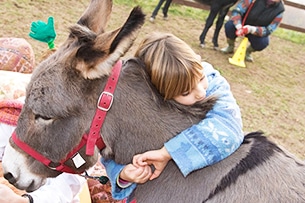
x: 173, y: 66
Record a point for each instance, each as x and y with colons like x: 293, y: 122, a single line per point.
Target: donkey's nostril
x: 10, y: 178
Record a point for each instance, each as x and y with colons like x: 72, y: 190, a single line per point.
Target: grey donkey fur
x: 61, y: 101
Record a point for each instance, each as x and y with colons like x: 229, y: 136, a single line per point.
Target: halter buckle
x: 107, y: 103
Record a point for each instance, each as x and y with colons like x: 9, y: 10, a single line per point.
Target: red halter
x: 93, y: 138
x: 103, y: 105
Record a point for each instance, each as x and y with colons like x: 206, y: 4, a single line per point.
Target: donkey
x: 217, y: 7
x: 61, y: 102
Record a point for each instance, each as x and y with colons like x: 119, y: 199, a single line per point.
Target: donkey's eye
x: 39, y: 119
x: 42, y: 117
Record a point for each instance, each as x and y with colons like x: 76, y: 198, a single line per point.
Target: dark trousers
x: 257, y: 43
x: 165, y: 8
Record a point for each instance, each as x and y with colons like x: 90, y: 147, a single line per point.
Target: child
x: 178, y: 74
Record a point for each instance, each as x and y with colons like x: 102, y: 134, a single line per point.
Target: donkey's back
x: 259, y: 171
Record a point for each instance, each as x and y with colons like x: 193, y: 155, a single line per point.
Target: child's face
x: 197, y: 94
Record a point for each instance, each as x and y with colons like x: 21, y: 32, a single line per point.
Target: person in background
x: 178, y: 74
x: 255, y: 19
x: 164, y: 10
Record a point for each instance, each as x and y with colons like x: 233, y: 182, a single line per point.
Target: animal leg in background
x: 221, y: 17
x: 209, y: 22
x: 220, y: 8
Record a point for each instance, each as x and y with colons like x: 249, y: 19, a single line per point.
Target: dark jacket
x: 262, y: 15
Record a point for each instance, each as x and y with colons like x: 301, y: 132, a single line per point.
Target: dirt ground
x: 270, y: 91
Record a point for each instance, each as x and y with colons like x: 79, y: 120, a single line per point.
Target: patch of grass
x: 290, y: 35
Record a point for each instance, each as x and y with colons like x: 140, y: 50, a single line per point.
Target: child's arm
x: 113, y: 171
x: 123, y: 178
x: 208, y: 142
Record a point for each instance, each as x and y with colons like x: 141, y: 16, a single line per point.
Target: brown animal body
x: 61, y: 102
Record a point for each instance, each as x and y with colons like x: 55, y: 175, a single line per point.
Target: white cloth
x: 62, y: 189
x: 5, y: 134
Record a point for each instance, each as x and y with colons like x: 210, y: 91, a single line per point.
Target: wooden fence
x: 294, y: 17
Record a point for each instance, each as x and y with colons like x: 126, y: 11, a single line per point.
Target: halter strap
x: 103, y: 105
x: 60, y: 166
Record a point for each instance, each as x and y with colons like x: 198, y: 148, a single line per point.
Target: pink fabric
x: 10, y: 111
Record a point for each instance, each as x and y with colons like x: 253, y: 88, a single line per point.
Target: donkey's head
x: 61, y: 97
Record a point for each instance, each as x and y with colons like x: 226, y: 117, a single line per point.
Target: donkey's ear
x: 96, y: 15
x: 130, y: 29
x: 97, y: 58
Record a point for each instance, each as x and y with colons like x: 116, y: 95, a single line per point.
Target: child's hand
x: 135, y: 174
x: 158, y: 158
